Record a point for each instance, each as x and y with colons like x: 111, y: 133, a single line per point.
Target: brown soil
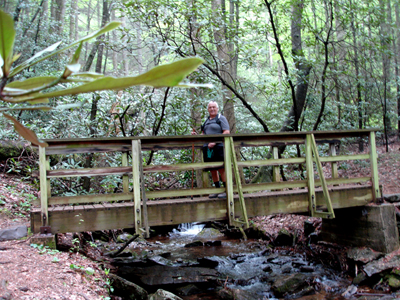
x: 30, y: 273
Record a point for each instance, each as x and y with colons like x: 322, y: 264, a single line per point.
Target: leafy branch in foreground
x: 25, y: 94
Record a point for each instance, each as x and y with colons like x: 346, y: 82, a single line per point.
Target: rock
x: 159, y: 260
x: 236, y: 294
x: 213, y: 243
x: 124, y: 237
x: 284, y: 238
x: 127, y: 289
x: 303, y: 292
x: 350, y: 291
x: 392, y: 198
x: 361, y: 277
x: 286, y: 268
x: 101, y: 236
x: 289, y: 283
x: 170, y: 275
x: 208, y: 262
x: 307, y: 269
x: 209, y: 233
x: 195, y: 244
x: 308, y: 227
x: 364, y: 255
x: 13, y: 233
x: 163, y: 295
x: 188, y: 290
x: 393, y: 281
x: 388, y: 262
x: 165, y: 254
x: 267, y: 269
x: 313, y: 238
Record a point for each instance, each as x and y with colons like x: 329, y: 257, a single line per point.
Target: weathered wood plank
x: 271, y: 162
x: 343, y: 157
x: 183, y: 192
x: 173, y: 212
x: 182, y: 167
x: 89, y: 172
x: 123, y: 170
x: 96, y: 198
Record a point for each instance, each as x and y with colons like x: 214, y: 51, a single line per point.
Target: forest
x: 292, y: 65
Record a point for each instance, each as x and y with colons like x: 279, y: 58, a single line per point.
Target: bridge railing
x: 133, y: 171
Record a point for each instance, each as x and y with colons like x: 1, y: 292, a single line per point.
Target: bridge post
x: 229, y: 181
x: 45, y: 189
x: 136, y: 151
x: 376, y: 193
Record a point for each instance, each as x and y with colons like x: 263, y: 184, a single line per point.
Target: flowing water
x: 250, y: 268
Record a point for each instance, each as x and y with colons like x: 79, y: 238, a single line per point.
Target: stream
x: 201, y: 263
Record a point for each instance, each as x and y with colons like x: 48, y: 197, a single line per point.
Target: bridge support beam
x: 364, y: 226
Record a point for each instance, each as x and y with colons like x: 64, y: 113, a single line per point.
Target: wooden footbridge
x: 318, y: 194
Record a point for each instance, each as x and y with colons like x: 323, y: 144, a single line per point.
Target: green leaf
x: 31, y: 83
x: 38, y: 101
x: 31, y: 61
x: 73, y: 66
x: 110, y: 26
x: 161, y: 76
x: 45, y: 108
x: 87, y: 75
x: 7, y: 36
x: 25, y: 132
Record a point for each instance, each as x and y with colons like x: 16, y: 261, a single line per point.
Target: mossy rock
x: 394, y: 282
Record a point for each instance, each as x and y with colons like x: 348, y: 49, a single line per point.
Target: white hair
x: 213, y: 102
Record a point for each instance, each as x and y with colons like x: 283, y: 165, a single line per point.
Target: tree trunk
x: 227, y: 57
x: 396, y: 46
x: 59, y: 16
x: 359, y: 99
x: 73, y: 20
x: 299, y: 92
x: 96, y: 98
x: 384, y: 32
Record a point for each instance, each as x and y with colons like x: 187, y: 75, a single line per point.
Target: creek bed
x: 206, y: 265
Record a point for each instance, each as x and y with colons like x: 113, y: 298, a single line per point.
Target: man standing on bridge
x: 213, y: 152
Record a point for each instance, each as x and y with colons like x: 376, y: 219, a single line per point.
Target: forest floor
x: 28, y: 271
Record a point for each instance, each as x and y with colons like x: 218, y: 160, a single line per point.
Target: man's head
x: 212, y: 108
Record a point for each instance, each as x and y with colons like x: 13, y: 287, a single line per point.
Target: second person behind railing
x: 213, y: 152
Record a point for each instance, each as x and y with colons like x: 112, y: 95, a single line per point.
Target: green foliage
x: 32, y: 91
